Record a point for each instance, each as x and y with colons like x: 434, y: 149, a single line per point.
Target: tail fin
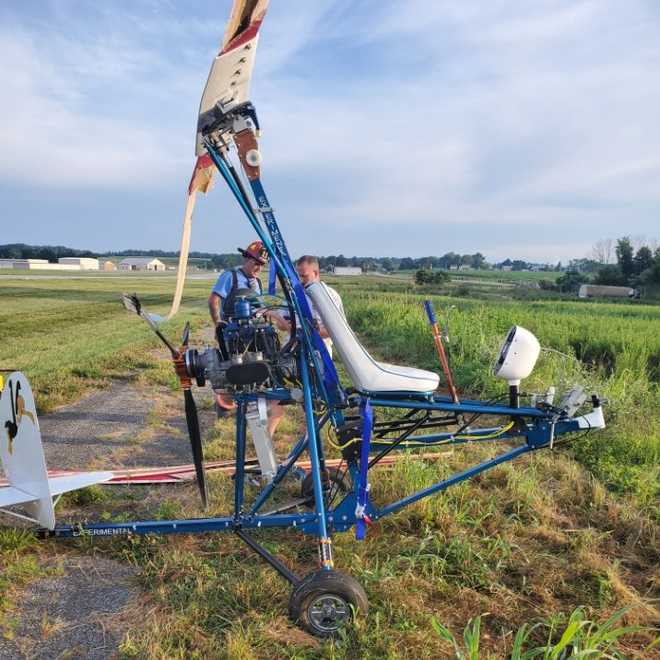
x: 23, y: 460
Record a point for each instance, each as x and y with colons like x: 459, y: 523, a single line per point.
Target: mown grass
x: 525, y: 544
x: 72, y: 334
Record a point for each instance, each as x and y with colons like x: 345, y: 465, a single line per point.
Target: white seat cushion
x: 367, y: 374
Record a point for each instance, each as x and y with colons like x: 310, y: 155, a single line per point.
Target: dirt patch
x: 85, y: 612
x: 75, y: 615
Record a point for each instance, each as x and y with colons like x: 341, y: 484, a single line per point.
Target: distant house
x: 604, y: 291
x: 84, y: 263
x: 141, y: 263
x: 347, y: 270
x: 7, y: 263
x: 507, y: 268
x: 109, y: 266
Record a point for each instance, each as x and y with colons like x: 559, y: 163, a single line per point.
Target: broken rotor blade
x: 192, y: 420
x: 132, y: 304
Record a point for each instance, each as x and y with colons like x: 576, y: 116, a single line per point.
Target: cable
x: 417, y: 444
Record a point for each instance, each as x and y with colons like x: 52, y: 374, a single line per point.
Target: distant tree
x: 583, y: 265
x: 426, y: 276
x: 518, y: 265
x: 406, y: 264
x: 386, y: 264
x: 425, y: 262
x: 642, y: 260
x: 368, y: 264
x: 478, y: 260
x: 624, y: 257
x: 603, y: 251
x: 570, y: 281
x: 341, y: 261
x: 611, y: 274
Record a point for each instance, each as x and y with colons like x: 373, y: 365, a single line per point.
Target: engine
x: 250, y: 356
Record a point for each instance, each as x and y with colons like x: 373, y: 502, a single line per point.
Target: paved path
x: 121, y: 426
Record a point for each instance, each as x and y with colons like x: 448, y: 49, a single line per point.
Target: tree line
x: 229, y: 260
x: 613, y: 263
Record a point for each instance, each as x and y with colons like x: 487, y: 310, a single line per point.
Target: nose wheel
x: 324, y: 602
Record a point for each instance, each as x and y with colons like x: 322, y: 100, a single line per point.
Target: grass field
x: 527, y: 552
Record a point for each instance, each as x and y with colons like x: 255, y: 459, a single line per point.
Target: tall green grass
x: 611, y: 349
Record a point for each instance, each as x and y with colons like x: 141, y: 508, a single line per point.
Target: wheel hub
x: 329, y: 612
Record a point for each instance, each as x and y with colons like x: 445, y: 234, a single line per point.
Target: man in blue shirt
x: 245, y: 276
x: 223, y: 296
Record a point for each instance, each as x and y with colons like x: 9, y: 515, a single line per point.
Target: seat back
x: 366, y: 374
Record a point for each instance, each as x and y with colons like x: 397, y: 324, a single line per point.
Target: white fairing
x: 518, y: 355
x: 23, y: 460
x: 228, y: 82
x: 366, y: 374
x: 593, y: 420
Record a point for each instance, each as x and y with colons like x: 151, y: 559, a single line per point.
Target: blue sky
x: 527, y: 130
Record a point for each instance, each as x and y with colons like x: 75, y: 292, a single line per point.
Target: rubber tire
x: 321, y: 583
x: 307, y: 485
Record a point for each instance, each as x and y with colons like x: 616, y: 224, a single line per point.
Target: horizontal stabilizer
x: 11, y: 495
x: 59, y: 485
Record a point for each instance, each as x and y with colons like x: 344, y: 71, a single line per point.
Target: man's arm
x: 220, y: 290
x: 280, y: 322
x: 215, y: 307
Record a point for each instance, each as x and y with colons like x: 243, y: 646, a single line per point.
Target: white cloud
x: 489, y: 114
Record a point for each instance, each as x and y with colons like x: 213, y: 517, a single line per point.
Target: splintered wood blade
x: 131, y: 302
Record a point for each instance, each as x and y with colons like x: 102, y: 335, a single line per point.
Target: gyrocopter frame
x: 387, y: 408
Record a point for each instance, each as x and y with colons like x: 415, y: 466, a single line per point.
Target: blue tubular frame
x: 323, y: 402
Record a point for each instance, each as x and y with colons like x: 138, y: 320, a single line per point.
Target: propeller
x: 192, y: 421
x: 132, y: 304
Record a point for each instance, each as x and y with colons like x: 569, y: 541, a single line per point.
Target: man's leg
x: 275, y: 415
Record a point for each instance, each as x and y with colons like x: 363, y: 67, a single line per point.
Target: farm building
x: 109, y: 266
x: 603, y: 291
x: 141, y: 263
x: 347, y: 270
x: 84, y: 263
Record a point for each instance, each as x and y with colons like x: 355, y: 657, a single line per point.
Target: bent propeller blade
x: 132, y: 304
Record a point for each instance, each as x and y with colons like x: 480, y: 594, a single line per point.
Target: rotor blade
x: 132, y: 304
x: 196, y: 443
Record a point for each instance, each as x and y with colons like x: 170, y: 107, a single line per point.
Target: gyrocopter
x: 385, y: 408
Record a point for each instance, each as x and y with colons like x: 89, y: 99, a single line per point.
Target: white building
x: 141, y: 263
x: 347, y: 270
x: 42, y: 264
x: 84, y: 263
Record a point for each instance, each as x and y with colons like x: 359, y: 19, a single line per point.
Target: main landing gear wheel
x: 324, y: 602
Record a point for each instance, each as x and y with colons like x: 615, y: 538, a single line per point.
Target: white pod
x: 518, y: 355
